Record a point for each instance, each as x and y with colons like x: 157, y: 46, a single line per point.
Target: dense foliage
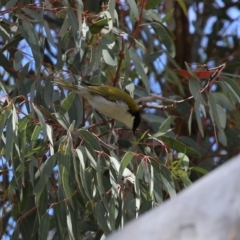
x: 64, y: 174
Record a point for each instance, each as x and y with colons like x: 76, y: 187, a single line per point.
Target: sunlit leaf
x: 127, y: 158
x: 42, y: 122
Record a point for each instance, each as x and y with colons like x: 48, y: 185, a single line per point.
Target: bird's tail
x: 67, y: 86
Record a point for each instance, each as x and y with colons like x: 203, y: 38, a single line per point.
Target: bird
x: 109, y: 101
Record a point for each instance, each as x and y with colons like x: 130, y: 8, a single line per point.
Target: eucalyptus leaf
x: 46, y: 171
x: 215, y: 111
x: 127, y: 158
x: 42, y: 122
x: 164, y: 37
x: 168, y: 182
x: 133, y: 8
x: 197, y: 113
x: 222, y: 137
x: 179, y: 146
x: 44, y: 227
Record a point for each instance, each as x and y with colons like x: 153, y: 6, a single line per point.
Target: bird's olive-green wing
x: 114, y: 94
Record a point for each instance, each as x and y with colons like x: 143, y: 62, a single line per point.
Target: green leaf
x: 111, y: 8
x: 153, y: 3
x: 166, y: 124
x: 50, y: 133
x: 109, y: 57
x: 3, y: 118
x: 214, y: 112
x: 101, y: 214
x: 100, y: 169
x: 44, y: 227
x: 44, y: 177
x: 76, y: 111
x: 82, y: 167
x: 30, y: 35
x: 127, y: 174
x: 42, y: 122
x: 48, y: 92
x: 127, y: 158
x: 150, y: 177
x: 112, y: 212
x: 165, y: 37
x: 72, y: 221
x: 158, y: 186
x: 96, y: 27
x: 10, y: 138
x: 67, y: 102
x: 13, y: 42
x: 65, y: 166
x: 139, y: 176
x: 59, y: 222
x: 36, y: 150
x: 8, y: 67
x: 168, y: 16
x: 184, y: 160
x: 133, y: 8
x: 17, y: 63
x: 33, y: 14
x: 4, y: 34
x: 229, y: 94
x: 183, y: 6
x: 62, y: 121
x: 222, y: 137
x: 195, y: 87
x: 197, y: 113
x: 179, y: 146
x: 49, y: 35
x: 11, y: 4
x: 15, y: 234
x: 199, y: 170
x: 35, y: 136
x: 73, y: 22
x: 168, y: 182
x: 233, y: 87
x: 139, y: 68
x: 190, y: 122
x: 222, y: 116
x: 159, y: 134
x: 222, y: 100
x: 186, y: 181
x: 91, y: 139
x: 23, y: 123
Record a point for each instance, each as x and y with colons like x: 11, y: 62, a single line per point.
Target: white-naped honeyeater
x: 109, y: 101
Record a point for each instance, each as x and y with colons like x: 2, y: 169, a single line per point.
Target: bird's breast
x: 117, y: 110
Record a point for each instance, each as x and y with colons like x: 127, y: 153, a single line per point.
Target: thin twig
x: 173, y: 103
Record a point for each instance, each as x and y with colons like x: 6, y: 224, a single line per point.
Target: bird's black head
x: 136, y: 120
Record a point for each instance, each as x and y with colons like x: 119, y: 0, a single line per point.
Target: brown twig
x: 173, y: 103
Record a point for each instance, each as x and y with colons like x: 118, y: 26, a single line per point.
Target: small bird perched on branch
x: 109, y: 101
